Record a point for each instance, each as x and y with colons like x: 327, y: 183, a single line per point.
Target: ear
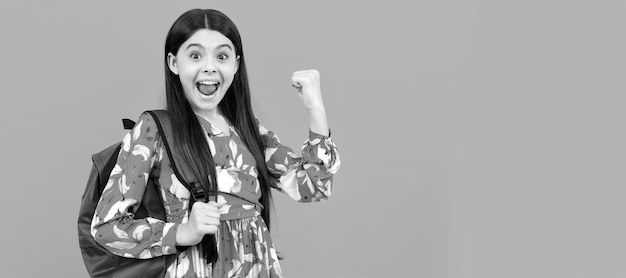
x: 171, y: 63
x: 237, y: 63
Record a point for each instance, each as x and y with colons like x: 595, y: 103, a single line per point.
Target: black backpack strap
x: 162, y: 119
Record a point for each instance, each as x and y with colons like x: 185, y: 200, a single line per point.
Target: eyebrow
x: 224, y: 45
x: 200, y: 46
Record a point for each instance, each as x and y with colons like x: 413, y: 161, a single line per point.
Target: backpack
x: 99, y: 261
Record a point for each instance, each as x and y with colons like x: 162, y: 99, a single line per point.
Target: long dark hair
x: 189, y: 139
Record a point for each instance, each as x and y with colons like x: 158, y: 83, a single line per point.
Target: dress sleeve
x: 113, y: 225
x: 305, y: 177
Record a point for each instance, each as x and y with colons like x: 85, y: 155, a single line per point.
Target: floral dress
x: 245, y: 248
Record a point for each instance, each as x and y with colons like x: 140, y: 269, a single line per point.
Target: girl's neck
x: 211, y: 115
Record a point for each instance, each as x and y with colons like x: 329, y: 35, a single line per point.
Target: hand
x: 203, y: 219
x: 308, y: 84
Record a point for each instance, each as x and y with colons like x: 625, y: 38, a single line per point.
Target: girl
x: 223, y: 145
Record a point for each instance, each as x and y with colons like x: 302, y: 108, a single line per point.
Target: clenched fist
x: 308, y: 84
x: 203, y: 219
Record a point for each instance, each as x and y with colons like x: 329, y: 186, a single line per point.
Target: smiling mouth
x: 207, y: 88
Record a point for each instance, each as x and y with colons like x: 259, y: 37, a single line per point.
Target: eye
x: 222, y: 57
x: 195, y: 55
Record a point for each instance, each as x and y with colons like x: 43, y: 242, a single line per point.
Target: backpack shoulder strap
x: 162, y: 119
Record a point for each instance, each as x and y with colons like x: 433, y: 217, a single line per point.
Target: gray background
x: 479, y: 138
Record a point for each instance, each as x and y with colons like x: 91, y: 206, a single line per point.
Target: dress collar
x: 210, y: 129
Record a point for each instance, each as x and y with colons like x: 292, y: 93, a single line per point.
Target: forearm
x: 141, y: 239
x: 318, y: 122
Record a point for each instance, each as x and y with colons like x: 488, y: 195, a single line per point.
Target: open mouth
x: 207, y: 88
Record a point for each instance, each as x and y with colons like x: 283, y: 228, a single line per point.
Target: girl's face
x: 206, y: 64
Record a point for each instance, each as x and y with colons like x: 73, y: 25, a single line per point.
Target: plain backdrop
x: 479, y: 139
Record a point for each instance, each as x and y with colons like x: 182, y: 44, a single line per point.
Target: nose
x: 209, y: 66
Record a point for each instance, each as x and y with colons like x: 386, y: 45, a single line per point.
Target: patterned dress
x: 244, y: 244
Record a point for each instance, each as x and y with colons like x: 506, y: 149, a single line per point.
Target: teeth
x: 208, y: 82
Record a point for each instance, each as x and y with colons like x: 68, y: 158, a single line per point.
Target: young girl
x: 221, y: 142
